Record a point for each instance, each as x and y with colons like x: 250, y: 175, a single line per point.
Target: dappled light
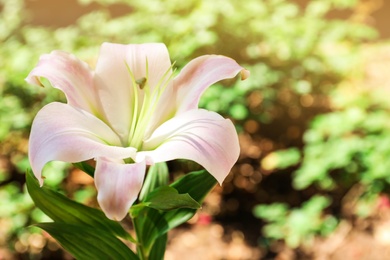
x: 312, y: 180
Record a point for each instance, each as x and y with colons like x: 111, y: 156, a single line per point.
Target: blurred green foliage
x: 357, y: 148
x: 345, y: 151
x: 296, y: 56
x: 297, y: 226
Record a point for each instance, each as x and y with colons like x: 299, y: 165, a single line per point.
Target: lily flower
x: 130, y: 112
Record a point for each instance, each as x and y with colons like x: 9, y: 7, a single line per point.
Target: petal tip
x: 118, y: 185
x: 245, y: 74
x: 115, y: 216
x: 40, y: 180
x: 33, y: 80
x: 221, y: 177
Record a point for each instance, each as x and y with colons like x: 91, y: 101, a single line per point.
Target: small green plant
x: 296, y: 226
x: 347, y: 149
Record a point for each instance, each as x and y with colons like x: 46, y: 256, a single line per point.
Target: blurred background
x: 313, y: 178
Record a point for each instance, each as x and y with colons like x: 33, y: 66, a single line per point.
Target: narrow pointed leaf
x: 157, y: 176
x: 168, y: 198
x: 151, y: 223
x: 61, y: 209
x: 197, y: 184
x: 88, y: 243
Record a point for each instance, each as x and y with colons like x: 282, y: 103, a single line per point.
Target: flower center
x: 144, y: 103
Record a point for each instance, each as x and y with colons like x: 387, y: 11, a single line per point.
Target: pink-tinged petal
x: 199, y: 74
x: 198, y: 135
x: 118, y: 185
x: 114, y: 81
x: 190, y: 84
x: 64, y: 133
x: 70, y: 75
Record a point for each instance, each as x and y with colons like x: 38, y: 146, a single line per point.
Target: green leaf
x: 137, y: 208
x: 168, y: 198
x: 151, y: 223
x: 85, y: 242
x: 197, y: 184
x: 165, y: 198
x: 157, y: 176
x: 85, y: 167
x: 61, y: 209
x: 158, y: 249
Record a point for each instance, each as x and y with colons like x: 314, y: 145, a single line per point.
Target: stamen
x: 149, y: 104
x: 162, y: 80
x: 134, y: 118
x: 141, y: 82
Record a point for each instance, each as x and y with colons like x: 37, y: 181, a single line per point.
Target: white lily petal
x: 114, y: 81
x: 199, y: 74
x: 190, y: 84
x: 129, y: 98
x: 70, y: 75
x: 198, y: 135
x: 118, y: 185
x: 64, y: 133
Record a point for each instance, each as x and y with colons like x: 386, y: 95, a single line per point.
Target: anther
x: 141, y: 82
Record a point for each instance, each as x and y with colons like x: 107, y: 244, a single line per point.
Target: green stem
x: 142, y: 254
